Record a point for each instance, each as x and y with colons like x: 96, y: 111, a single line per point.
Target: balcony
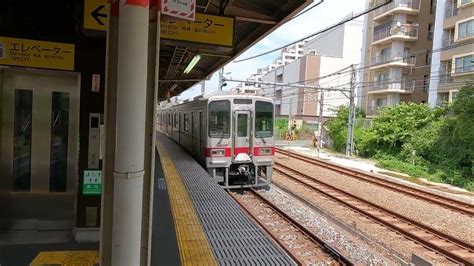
x: 403, y: 32
x: 397, y: 86
x: 373, y: 110
x: 393, y: 60
x: 450, y: 11
x: 410, y: 7
x: 447, y: 43
x: 445, y: 78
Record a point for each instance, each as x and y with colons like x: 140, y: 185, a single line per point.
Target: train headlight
x: 218, y: 153
x: 264, y: 151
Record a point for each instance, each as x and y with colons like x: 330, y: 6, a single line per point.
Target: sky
x: 326, y: 14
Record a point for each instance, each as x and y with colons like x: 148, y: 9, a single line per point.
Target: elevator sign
x: 92, y: 182
x: 33, y: 53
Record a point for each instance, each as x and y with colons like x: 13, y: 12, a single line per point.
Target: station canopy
x: 229, y: 28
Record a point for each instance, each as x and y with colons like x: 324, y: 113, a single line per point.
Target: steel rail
x: 456, y: 205
x: 347, y: 197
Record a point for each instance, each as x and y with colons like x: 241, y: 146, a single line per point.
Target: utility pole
x: 221, y: 78
x: 350, y: 124
x: 320, y: 127
x: 203, y: 87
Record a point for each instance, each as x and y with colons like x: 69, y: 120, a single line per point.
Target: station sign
x: 183, y: 9
x: 207, y: 29
x: 39, y: 54
x: 96, y: 14
x: 92, y: 182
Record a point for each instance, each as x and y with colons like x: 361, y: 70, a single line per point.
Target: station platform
x: 195, y: 222
x: 210, y: 225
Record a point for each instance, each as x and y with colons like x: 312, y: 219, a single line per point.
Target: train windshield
x: 219, y: 119
x: 263, y: 119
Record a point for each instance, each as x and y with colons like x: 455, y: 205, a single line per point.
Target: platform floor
x: 234, y: 239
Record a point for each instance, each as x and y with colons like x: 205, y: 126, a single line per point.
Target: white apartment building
x: 322, y: 55
x: 287, y: 55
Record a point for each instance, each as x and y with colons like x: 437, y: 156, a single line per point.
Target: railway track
x: 452, y: 248
x: 452, y: 204
x: 301, y: 244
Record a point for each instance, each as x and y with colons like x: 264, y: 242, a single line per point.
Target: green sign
x: 92, y: 182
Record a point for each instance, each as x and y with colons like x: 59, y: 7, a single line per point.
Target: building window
x: 381, y: 102
x: 426, y: 82
x: 466, y: 29
x: 452, y: 95
x: 464, y: 2
x: 464, y: 64
x: 428, y: 58
x: 430, y: 32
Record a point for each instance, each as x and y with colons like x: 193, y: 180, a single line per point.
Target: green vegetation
x: 281, y: 127
x: 338, y: 128
x: 437, y: 144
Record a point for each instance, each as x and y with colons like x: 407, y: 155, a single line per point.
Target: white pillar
x: 130, y: 145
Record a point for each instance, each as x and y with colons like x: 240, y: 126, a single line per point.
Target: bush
x: 337, y: 127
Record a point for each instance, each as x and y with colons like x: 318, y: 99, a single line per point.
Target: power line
x: 316, y: 33
x: 304, y: 11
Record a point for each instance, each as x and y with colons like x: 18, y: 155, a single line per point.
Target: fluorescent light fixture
x: 192, y: 64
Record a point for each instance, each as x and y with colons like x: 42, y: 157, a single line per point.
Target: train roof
x: 216, y: 96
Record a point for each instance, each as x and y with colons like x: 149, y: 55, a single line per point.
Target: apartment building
x: 396, y: 58
x: 287, y: 55
x: 322, y: 55
x: 453, y: 59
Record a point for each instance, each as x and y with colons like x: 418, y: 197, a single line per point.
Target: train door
x: 39, y: 114
x: 242, y: 132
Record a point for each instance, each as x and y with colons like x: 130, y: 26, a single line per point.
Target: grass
x: 433, y: 173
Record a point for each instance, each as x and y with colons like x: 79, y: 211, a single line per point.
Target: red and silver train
x: 230, y: 135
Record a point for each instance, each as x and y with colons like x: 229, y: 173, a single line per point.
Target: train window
x: 242, y: 101
x: 242, y: 125
x: 169, y: 119
x: 219, y: 119
x: 263, y: 119
x: 176, y: 120
x: 186, y: 122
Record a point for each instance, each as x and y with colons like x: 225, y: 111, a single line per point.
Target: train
x: 231, y: 136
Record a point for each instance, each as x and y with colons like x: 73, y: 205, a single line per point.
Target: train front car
x: 240, y: 145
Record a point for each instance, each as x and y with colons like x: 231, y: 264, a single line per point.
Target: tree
x: 396, y: 124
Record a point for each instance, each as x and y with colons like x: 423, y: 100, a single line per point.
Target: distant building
x: 320, y: 56
x: 287, y: 55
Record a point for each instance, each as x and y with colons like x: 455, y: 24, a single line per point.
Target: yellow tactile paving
x: 193, y: 245
x: 67, y: 258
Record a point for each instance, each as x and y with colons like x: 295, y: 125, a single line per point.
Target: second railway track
x: 452, y: 248
x: 452, y: 204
